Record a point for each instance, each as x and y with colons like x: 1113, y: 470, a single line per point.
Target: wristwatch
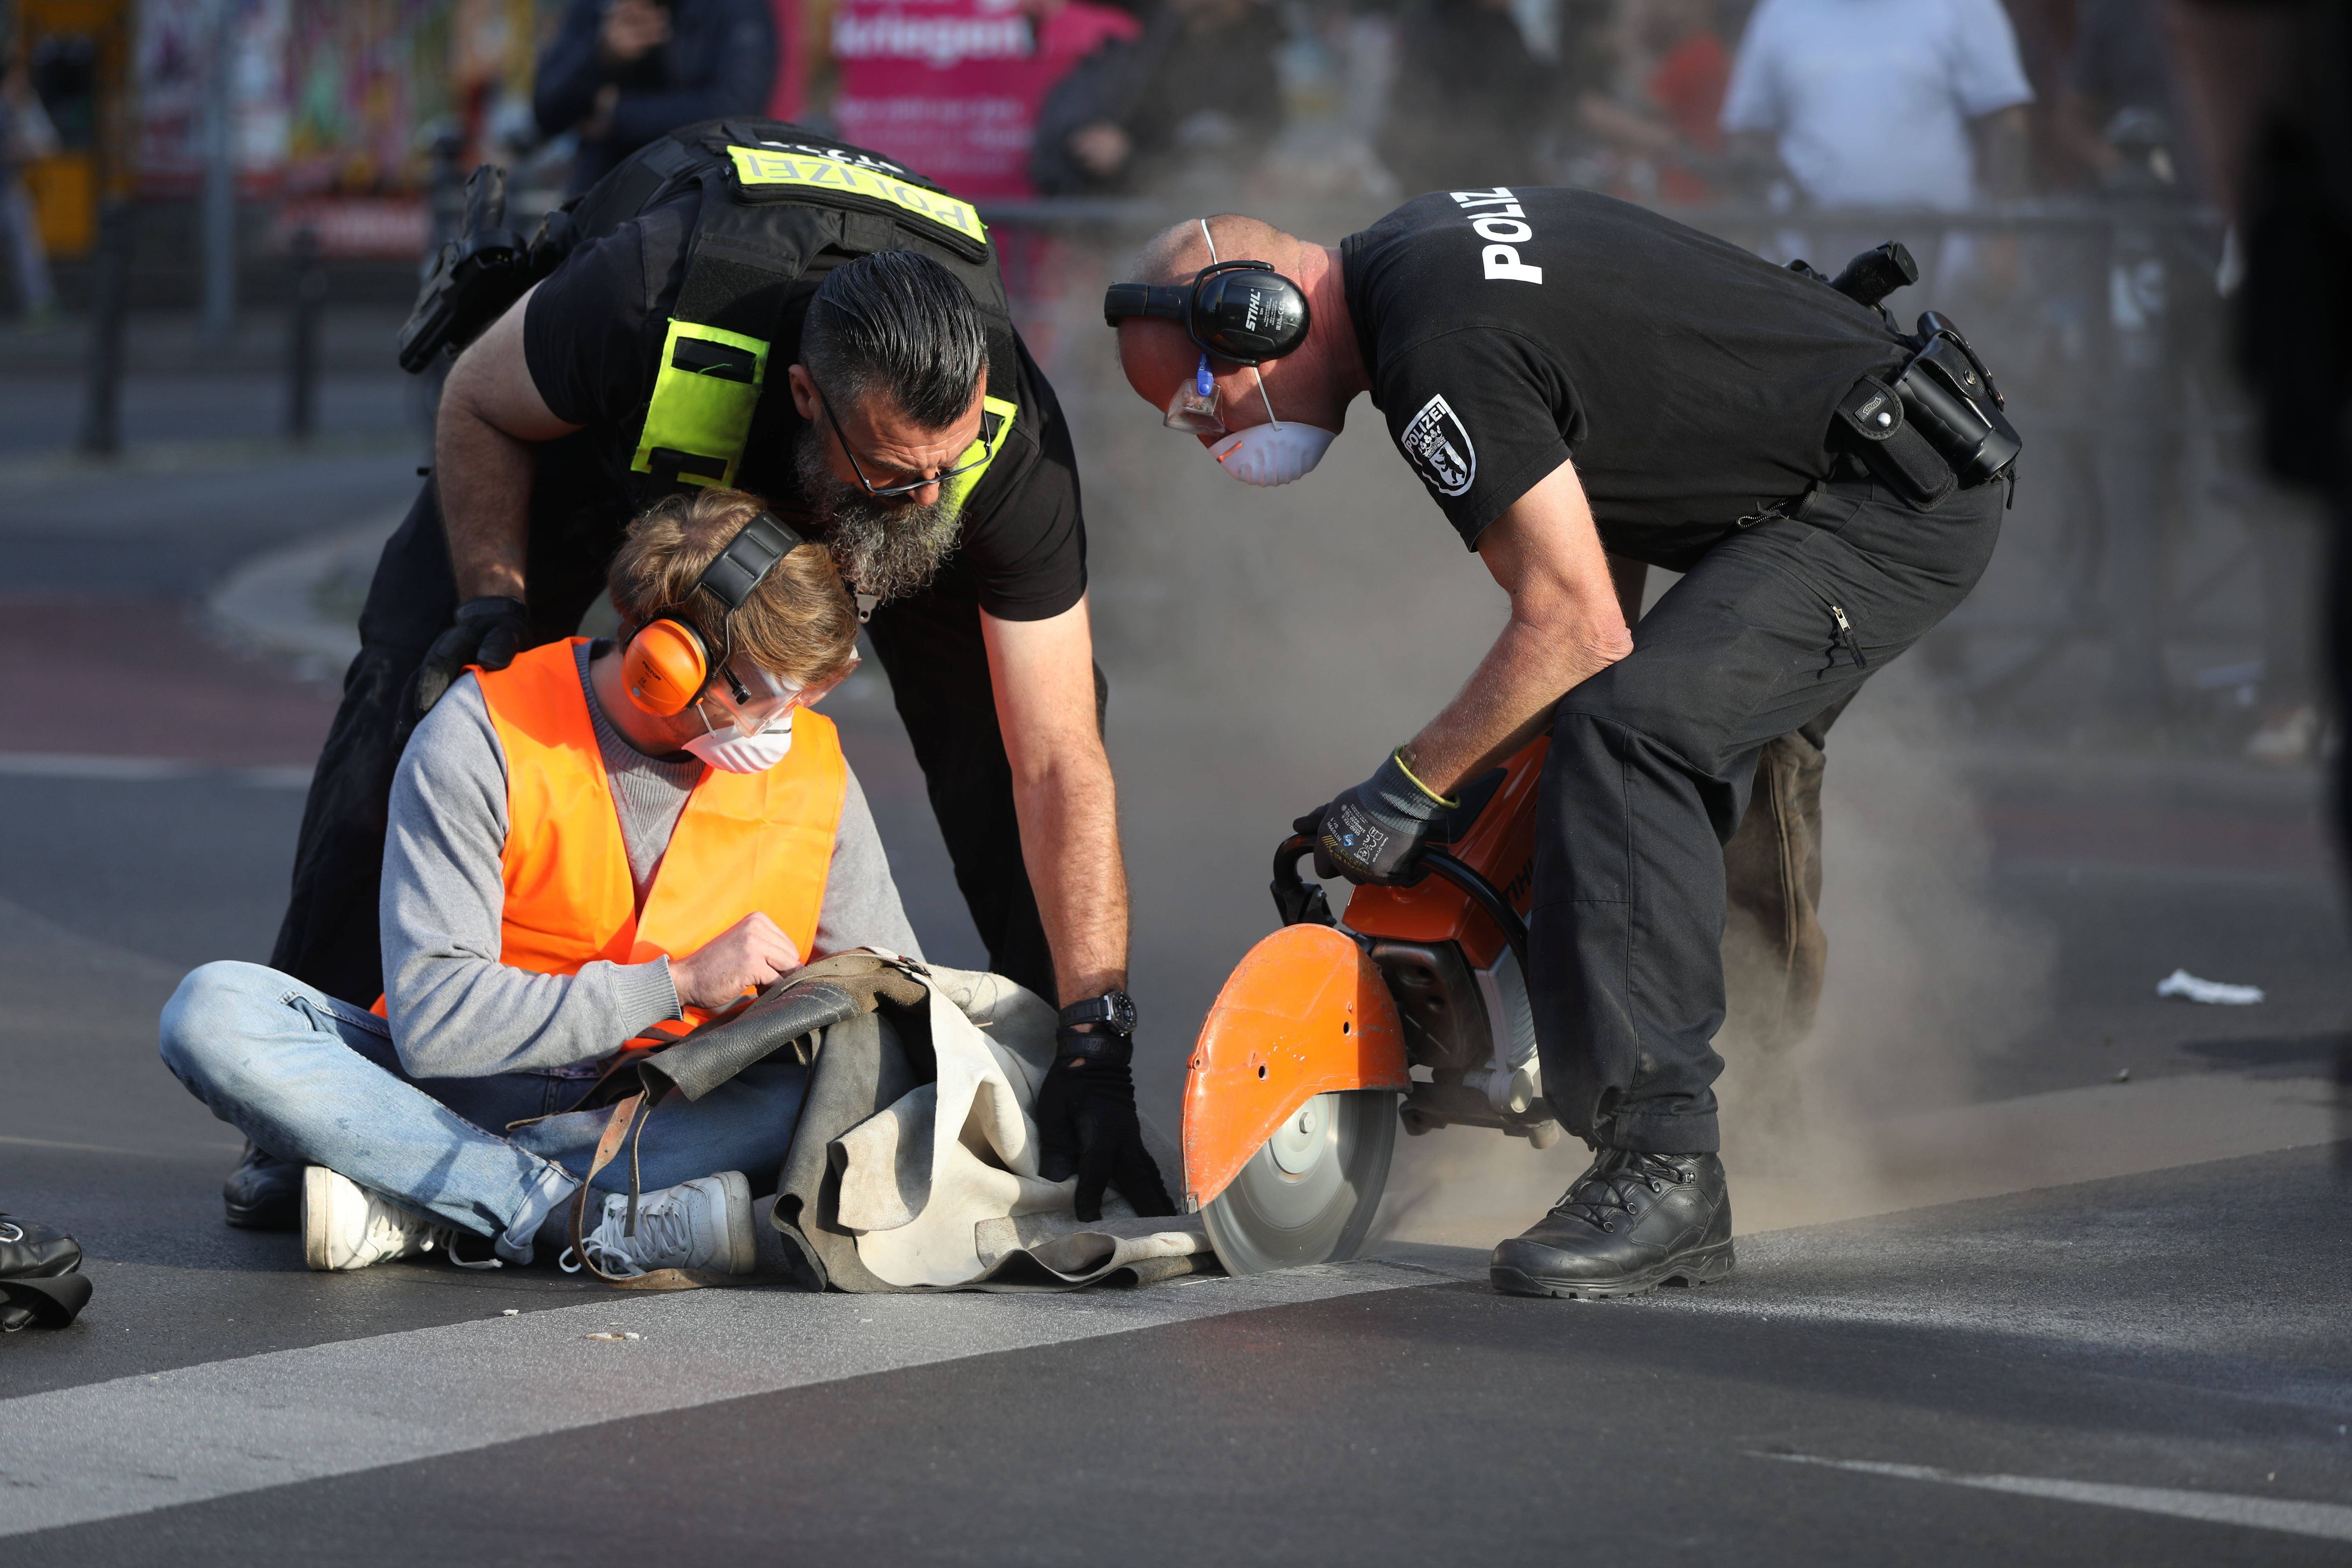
x: 1113, y: 1009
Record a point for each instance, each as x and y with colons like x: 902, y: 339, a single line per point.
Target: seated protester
x: 590, y: 850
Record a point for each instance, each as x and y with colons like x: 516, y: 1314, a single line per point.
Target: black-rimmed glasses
x: 987, y: 455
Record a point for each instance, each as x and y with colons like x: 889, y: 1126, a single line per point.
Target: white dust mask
x: 1273, y: 454
x: 732, y: 752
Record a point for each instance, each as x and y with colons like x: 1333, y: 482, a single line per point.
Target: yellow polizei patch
x: 767, y: 166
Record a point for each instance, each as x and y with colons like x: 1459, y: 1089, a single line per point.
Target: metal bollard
x: 101, y: 418
x: 303, y: 335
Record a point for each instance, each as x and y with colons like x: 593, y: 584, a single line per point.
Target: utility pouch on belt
x: 1937, y: 426
x: 1870, y: 417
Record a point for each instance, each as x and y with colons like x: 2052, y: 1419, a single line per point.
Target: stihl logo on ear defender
x: 1505, y: 225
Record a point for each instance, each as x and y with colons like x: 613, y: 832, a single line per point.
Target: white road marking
x: 2327, y: 1521
x: 135, y: 1444
x: 143, y: 770
x: 173, y: 1153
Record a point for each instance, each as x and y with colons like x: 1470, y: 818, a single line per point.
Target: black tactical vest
x: 781, y: 207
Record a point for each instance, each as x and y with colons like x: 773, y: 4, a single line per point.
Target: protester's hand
x: 1374, y: 831
x: 1087, y: 1125
x: 1101, y: 148
x: 631, y: 28
x: 751, y: 952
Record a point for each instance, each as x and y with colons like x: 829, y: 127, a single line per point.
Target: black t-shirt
x: 592, y: 338
x: 1691, y: 382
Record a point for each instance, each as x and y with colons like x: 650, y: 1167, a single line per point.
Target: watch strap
x: 1115, y: 1010
x: 1112, y: 1051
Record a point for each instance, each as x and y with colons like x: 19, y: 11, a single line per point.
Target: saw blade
x: 1308, y: 1196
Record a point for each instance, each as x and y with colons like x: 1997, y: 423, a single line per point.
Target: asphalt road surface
x: 2052, y: 1317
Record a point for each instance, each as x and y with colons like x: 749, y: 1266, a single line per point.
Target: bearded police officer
x: 1574, y: 379
x: 745, y: 304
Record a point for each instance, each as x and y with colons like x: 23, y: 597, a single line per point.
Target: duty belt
x: 1934, y: 426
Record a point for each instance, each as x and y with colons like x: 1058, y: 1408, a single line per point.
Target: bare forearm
x: 1069, y: 841
x: 1510, y: 698
x: 1566, y: 624
x: 491, y: 413
x: 484, y: 478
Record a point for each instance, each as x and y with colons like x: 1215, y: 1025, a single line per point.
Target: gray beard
x: 885, y: 548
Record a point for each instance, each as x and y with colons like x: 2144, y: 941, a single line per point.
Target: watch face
x: 1122, y: 1012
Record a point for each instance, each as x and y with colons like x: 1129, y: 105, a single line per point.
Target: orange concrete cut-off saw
x: 1412, y: 1008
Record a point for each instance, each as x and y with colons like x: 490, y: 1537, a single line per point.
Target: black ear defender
x: 1244, y: 311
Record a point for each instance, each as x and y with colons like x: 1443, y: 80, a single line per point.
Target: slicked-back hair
x: 896, y: 322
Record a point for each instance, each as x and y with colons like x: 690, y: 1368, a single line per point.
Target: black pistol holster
x: 1936, y: 427
x: 476, y: 275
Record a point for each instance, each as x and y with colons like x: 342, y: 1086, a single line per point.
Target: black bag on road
x: 40, y: 1278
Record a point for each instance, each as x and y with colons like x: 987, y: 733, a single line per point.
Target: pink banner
x: 951, y: 87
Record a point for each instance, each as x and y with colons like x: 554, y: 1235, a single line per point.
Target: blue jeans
x: 315, y: 1079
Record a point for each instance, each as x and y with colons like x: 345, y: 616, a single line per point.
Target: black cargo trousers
x: 930, y: 644
x: 1650, y: 770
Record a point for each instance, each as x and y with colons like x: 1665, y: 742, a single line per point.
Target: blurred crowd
x: 1818, y: 104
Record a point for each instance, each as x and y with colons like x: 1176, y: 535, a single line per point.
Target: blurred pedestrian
x: 622, y: 72
x: 1470, y: 103
x: 26, y: 133
x: 2267, y: 90
x: 2121, y: 67
x: 1885, y: 102
x: 1197, y: 92
x: 1667, y: 142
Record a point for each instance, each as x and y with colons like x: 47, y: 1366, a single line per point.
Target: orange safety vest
x: 743, y: 842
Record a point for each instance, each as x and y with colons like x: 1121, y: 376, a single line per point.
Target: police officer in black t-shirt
x: 1574, y: 378
x: 745, y: 304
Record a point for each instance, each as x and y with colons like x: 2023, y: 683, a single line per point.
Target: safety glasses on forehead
x: 1244, y: 311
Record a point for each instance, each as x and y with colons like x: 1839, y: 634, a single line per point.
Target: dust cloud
x: 1925, y: 982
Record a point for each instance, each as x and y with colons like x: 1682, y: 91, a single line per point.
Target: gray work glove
x: 1373, y: 833
x: 488, y: 631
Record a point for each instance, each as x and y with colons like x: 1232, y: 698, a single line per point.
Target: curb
x: 301, y: 602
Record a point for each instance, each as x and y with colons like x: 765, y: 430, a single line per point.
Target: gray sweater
x: 456, y: 1011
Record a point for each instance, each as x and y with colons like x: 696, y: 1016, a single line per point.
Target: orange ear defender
x: 667, y: 664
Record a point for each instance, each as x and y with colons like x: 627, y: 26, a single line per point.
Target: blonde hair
x: 799, y: 623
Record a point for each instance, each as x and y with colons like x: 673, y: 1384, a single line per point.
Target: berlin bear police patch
x: 1439, y: 449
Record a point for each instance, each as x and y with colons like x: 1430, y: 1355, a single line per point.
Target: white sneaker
x: 344, y: 1226
x: 702, y: 1224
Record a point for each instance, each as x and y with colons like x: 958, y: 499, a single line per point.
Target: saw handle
x: 1482, y: 893
x: 1297, y: 900
x: 1302, y: 902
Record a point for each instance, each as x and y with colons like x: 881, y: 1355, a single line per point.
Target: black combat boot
x: 1631, y: 1223
x: 263, y: 1193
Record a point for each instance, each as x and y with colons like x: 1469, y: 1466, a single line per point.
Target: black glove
x: 1087, y: 1124
x: 488, y: 631
x: 1373, y: 833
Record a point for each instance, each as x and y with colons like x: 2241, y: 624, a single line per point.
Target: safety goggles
x: 754, y: 700
x: 987, y: 443
x: 1199, y: 408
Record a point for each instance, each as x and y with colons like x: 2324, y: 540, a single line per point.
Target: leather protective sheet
x: 915, y: 1165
